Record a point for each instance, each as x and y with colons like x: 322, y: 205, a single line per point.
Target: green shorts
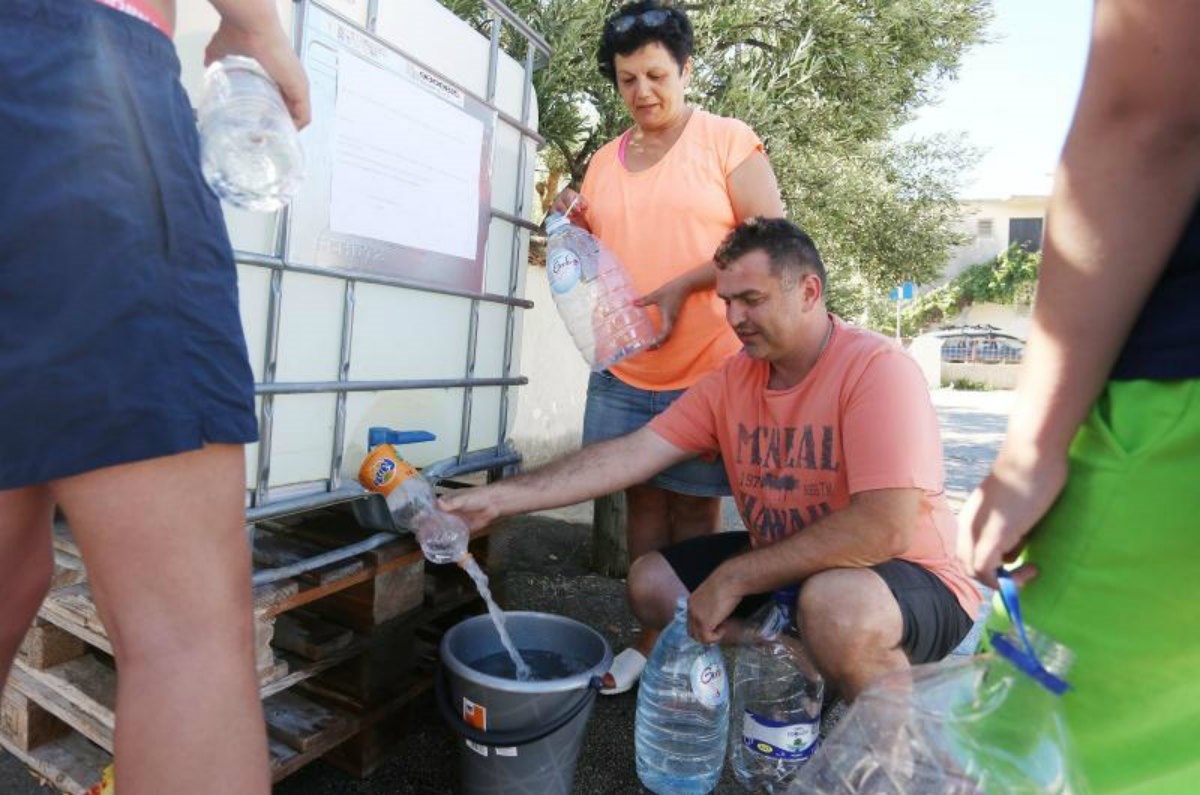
x: 1119, y: 555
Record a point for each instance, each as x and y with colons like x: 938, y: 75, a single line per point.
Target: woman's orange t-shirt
x: 663, y: 222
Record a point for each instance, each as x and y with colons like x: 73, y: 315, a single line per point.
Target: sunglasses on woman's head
x: 648, y: 19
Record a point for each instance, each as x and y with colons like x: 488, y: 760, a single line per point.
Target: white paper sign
x: 406, y: 165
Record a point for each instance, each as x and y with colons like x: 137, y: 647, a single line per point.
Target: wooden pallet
x: 341, y: 651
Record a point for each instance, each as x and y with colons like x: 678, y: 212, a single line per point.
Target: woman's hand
x: 1000, y: 513
x: 570, y: 203
x: 669, y: 299
x: 269, y: 45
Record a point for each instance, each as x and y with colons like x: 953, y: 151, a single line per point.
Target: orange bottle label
x: 384, y: 470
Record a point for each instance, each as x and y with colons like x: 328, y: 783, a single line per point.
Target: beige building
x: 993, y: 224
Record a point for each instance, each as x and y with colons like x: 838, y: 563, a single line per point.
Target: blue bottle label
x: 563, y: 269
x: 792, y: 742
x: 709, y: 683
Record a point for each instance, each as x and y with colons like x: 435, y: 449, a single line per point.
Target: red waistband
x: 142, y: 10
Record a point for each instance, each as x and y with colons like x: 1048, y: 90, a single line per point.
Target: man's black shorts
x: 934, y: 622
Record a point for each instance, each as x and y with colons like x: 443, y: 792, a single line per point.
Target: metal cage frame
x: 260, y: 503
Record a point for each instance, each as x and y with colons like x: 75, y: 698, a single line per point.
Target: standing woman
x: 126, y: 395
x: 1096, y: 480
x: 662, y: 196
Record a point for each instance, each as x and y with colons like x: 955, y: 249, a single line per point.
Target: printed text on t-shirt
x: 780, y: 501
x: 790, y: 447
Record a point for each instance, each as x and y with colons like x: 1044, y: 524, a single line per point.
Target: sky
x: 1015, y: 94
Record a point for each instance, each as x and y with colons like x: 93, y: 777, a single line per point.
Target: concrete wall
x: 1000, y: 212
x: 549, y: 420
x: 927, y: 351
x: 996, y: 376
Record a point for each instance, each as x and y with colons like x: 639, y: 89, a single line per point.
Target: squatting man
x: 831, y: 445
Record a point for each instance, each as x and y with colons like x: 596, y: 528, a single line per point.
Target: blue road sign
x: 905, y: 292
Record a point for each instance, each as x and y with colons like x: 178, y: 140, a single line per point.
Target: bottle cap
x: 555, y: 222
x: 384, y: 470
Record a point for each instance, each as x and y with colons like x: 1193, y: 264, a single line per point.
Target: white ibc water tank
x: 398, y: 333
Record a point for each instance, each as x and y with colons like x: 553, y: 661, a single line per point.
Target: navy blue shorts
x: 614, y: 408
x: 120, y: 338
x: 934, y: 622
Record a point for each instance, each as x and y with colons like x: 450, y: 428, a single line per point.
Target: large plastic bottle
x: 777, y: 692
x: 682, y: 713
x: 987, y: 725
x: 410, y: 497
x: 249, y: 150
x: 594, y: 295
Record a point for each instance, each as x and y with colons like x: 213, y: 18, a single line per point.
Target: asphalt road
x: 541, y: 564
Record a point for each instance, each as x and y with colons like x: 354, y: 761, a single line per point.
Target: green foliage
x: 1010, y: 278
x: 825, y: 83
x: 967, y: 385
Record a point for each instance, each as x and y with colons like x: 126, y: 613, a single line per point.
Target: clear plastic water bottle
x: 777, y: 692
x: 986, y: 725
x: 411, y: 499
x: 682, y: 713
x: 249, y: 150
x: 594, y: 295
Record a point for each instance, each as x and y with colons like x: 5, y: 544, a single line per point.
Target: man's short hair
x: 789, y: 249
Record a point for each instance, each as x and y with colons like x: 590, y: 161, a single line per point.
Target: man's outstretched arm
x: 597, y: 469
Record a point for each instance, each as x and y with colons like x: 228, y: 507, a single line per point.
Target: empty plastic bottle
x: 249, y: 151
x: 777, y: 691
x: 410, y: 497
x: 987, y: 725
x: 682, y: 713
x: 594, y: 295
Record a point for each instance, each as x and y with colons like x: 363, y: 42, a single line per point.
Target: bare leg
x: 653, y: 590
x: 657, y: 518
x: 648, y: 526
x: 852, y: 626
x: 647, y: 529
x: 26, y: 565
x: 692, y: 516
x: 167, y: 559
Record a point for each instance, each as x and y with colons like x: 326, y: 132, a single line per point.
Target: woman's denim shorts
x: 614, y: 408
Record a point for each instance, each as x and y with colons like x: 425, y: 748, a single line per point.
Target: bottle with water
x: 411, y: 499
x: 594, y: 295
x: 682, y: 713
x: 249, y: 151
x: 777, y: 691
x: 985, y: 725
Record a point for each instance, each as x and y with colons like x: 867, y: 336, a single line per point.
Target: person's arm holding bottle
x: 598, y: 469
x: 1128, y: 177
x: 571, y: 203
x: 252, y: 27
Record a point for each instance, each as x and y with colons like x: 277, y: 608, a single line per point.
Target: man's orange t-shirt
x: 860, y: 420
x: 663, y: 222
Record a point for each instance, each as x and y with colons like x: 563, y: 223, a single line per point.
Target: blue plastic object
x: 1024, y: 659
x: 383, y: 435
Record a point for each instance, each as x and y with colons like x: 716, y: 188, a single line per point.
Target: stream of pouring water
x: 481, y: 582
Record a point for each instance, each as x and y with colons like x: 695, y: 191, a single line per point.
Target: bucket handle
x: 513, y: 737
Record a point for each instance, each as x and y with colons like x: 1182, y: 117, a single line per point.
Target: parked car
x: 980, y: 345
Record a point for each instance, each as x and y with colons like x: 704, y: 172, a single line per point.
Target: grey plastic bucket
x: 523, y: 737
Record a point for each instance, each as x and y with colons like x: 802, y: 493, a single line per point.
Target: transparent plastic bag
x: 985, y: 725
